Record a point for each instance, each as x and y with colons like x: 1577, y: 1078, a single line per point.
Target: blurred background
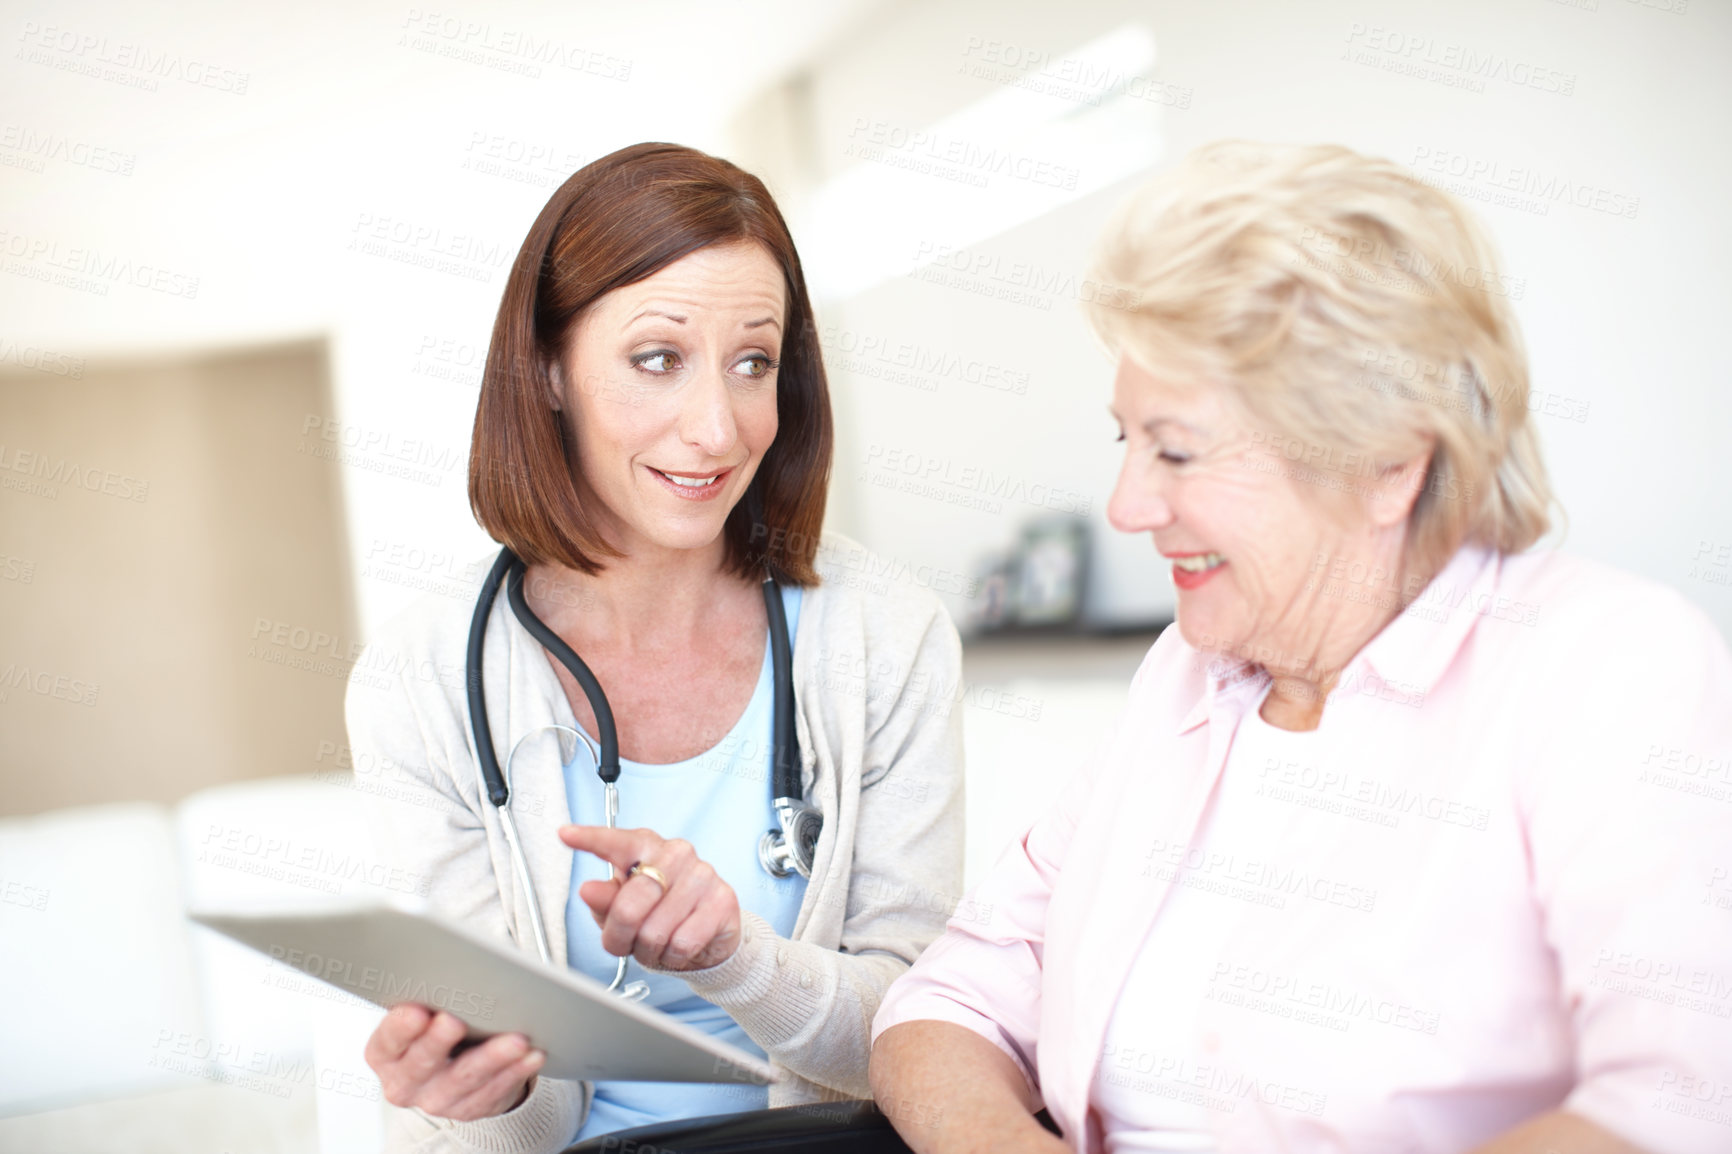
x: 249, y: 262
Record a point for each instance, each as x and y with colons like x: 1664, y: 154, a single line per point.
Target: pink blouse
x: 1504, y: 885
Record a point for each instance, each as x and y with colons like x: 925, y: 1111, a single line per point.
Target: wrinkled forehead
x: 738, y: 284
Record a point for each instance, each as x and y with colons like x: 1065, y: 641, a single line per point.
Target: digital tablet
x: 394, y: 953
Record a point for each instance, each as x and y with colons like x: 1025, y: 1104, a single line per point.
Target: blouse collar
x: 1410, y: 654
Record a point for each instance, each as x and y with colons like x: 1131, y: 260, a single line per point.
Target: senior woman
x: 652, y: 444
x: 1390, y: 850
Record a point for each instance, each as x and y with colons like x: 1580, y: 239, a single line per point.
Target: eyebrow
x: 680, y: 319
x: 1149, y: 426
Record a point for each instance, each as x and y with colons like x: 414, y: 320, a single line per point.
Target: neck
x: 1296, y: 703
x: 1331, y: 631
x: 646, y: 595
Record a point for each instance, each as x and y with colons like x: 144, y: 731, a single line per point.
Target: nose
x: 707, y: 418
x: 1139, y: 501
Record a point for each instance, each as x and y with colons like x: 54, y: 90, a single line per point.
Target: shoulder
x: 1569, y: 582
x: 875, y: 646
x: 1581, y: 610
x: 434, y: 625
x: 1611, y: 674
x: 419, y: 652
x: 868, y: 602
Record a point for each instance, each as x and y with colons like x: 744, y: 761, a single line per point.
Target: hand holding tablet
x: 421, y: 1061
x: 484, y: 991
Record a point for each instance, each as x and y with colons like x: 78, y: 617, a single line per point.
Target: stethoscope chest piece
x: 792, y: 848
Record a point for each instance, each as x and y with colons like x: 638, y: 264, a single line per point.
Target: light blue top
x: 720, y: 802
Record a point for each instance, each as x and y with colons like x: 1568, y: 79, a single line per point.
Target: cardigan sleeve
x: 809, y: 1006
x: 424, y: 821
x: 430, y: 828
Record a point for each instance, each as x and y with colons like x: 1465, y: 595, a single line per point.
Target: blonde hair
x: 1355, y: 311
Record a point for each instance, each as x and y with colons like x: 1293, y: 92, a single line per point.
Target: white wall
x: 267, y: 140
x: 1621, y: 312
x: 344, y: 123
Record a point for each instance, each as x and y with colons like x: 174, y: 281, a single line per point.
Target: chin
x: 1204, y: 631
x: 682, y: 533
x: 688, y: 541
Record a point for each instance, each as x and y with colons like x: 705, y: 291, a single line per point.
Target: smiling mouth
x: 1194, y: 570
x: 685, y: 482
x: 692, y: 486
x: 1197, y: 562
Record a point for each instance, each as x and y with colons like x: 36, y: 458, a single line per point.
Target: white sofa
x: 136, y: 1028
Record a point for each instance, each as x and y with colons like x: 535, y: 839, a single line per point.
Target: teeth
x: 1198, y: 564
x: 693, y: 482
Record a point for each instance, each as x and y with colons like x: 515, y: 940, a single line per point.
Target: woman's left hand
x: 690, y: 924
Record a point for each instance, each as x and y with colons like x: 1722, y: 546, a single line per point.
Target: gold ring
x: 649, y: 871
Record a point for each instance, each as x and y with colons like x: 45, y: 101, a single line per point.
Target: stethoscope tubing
x: 508, y: 570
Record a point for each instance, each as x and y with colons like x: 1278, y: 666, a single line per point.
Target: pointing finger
x: 618, y: 847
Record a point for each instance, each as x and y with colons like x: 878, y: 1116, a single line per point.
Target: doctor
x: 653, y: 442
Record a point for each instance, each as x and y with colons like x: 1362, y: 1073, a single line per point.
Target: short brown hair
x: 616, y: 221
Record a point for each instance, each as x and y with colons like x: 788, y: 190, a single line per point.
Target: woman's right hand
x: 411, y: 1053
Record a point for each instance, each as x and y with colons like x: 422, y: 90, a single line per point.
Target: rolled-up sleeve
x: 984, y: 973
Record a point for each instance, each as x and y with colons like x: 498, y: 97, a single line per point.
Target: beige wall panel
x: 158, y: 521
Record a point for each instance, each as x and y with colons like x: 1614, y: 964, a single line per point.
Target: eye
x: 1120, y: 439
x: 1174, y: 457
x: 659, y: 361
x: 758, y: 366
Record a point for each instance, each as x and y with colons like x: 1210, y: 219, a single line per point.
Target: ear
x: 1390, y: 498
x: 556, y: 382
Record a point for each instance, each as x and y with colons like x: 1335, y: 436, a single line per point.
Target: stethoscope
x: 782, y: 851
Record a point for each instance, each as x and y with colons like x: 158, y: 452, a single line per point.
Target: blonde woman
x: 1382, y: 855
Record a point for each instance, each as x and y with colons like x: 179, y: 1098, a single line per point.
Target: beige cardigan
x: 877, y: 680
